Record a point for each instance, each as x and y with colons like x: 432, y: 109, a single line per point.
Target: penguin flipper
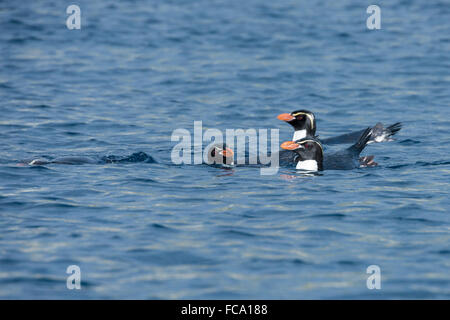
x: 344, y: 138
x: 382, y: 134
x: 362, y: 141
x: 379, y: 134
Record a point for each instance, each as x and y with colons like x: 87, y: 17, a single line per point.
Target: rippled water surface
x: 138, y: 70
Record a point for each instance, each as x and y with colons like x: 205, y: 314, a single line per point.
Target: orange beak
x: 285, y: 117
x: 227, y: 152
x: 289, y: 145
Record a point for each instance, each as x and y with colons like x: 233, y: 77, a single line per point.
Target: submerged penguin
x: 78, y: 160
x: 220, y: 154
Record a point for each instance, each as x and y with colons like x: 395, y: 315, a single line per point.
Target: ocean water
x: 138, y: 70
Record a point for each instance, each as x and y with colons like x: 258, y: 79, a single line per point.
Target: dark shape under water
x: 135, y: 157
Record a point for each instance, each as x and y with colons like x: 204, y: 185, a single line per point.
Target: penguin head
x: 220, y: 154
x: 300, y: 120
x: 308, y: 151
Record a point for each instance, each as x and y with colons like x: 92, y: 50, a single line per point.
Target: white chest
x: 299, y: 134
x: 309, y: 165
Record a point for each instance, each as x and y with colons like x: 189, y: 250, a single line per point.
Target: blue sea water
x: 137, y: 70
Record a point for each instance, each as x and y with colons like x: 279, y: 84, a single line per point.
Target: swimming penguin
x: 304, y: 123
x: 310, y: 155
x: 220, y: 154
x: 76, y: 160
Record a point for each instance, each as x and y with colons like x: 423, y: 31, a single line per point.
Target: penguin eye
x: 300, y: 117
